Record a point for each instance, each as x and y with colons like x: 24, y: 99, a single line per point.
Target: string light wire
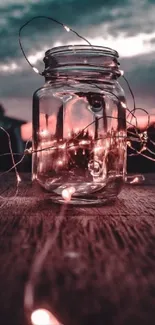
x: 18, y: 179
x: 68, y: 29
x: 134, y: 137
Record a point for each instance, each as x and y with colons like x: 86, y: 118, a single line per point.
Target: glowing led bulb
x: 123, y: 105
x: 144, y: 148
x: 135, y: 179
x: 18, y: 178
x: 44, y: 133
x: 121, y: 72
x: 43, y: 317
x: 67, y: 193
x: 36, y: 70
x: 60, y: 162
x: 128, y: 143
x: 67, y: 28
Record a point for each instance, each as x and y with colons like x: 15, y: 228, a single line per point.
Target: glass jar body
x: 79, y: 139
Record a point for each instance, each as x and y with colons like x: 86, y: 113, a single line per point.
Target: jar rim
x: 101, y: 50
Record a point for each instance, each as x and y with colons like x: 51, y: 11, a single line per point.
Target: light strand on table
x: 18, y: 178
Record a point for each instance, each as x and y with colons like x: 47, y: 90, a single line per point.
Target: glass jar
x: 79, y: 126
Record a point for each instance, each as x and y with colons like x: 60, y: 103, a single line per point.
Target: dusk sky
x: 128, y: 27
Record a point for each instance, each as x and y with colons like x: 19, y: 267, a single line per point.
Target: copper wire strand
x: 17, y: 177
x: 48, y: 18
x: 16, y: 164
x: 16, y: 172
x: 8, y: 154
x: 140, y: 153
x: 78, y: 134
x: 152, y: 142
x: 131, y: 138
x: 143, y: 110
x: 11, y: 152
x: 131, y: 91
x: 13, y: 161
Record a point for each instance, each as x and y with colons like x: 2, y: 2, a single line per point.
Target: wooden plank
x: 101, y: 267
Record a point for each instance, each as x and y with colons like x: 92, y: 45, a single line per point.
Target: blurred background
x: 128, y: 27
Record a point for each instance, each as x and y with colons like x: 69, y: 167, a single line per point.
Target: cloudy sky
x: 128, y: 27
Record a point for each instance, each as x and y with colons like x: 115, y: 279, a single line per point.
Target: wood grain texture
x: 111, y: 278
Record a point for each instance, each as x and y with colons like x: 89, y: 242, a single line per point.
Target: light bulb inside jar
x: 44, y: 133
x: 67, y: 193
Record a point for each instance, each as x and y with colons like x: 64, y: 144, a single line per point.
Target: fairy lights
x: 60, y: 162
x: 53, y: 20
x: 84, y: 142
x: 135, y: 179
x: 123, y: 105
x: 36, y: 70
x: 62, y: 146
x: 43, y: 317
x: 67, y: 28
x: 44, y: 133
x: 67, y: 193
x: 18, y: 179
x: 141, y: 138
x: 128, y: 144
x: 121, y: 72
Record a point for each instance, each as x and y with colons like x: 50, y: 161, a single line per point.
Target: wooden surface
x: 101, y: 269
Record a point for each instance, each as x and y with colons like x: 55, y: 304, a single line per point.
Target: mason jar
x: 79, y: 126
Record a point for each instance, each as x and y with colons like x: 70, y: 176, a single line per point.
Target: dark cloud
x: 92, y: 19
x: 140, y: 72
x: 81, y: 14
x: 131, y: 17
